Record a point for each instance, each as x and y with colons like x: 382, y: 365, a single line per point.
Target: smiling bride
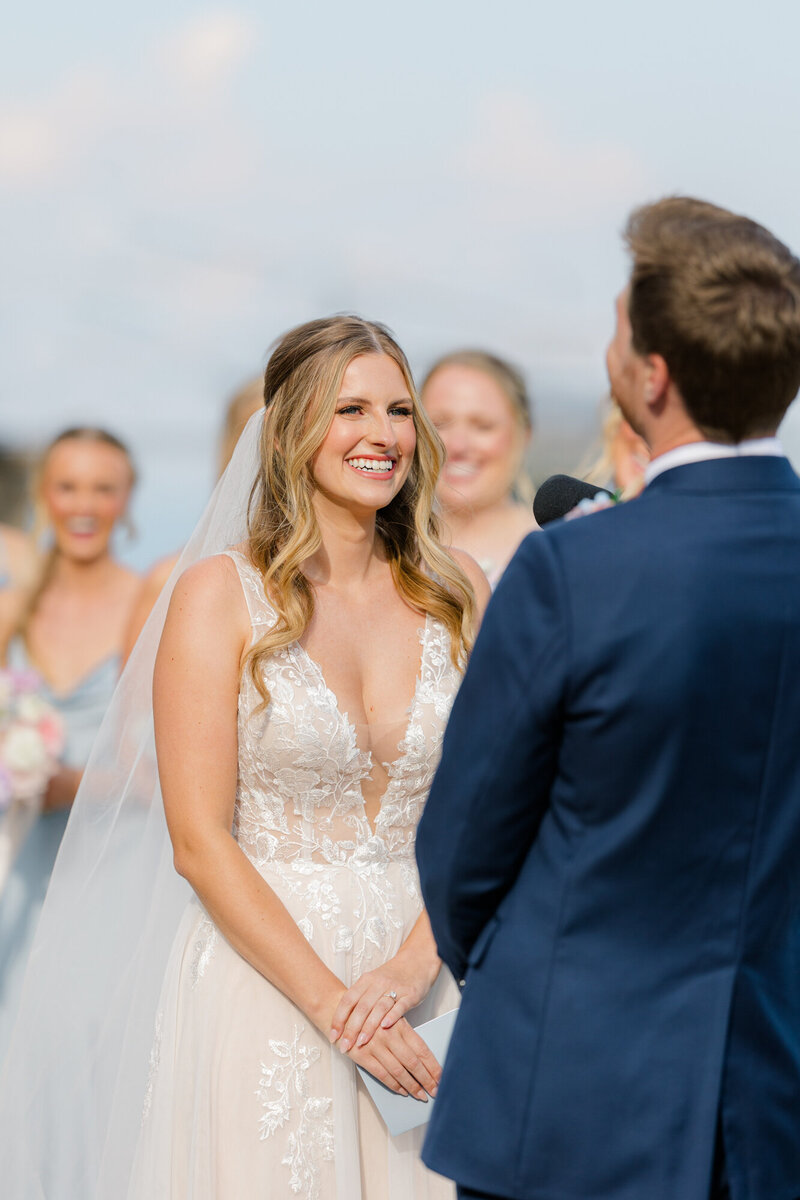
x: 301, y: 690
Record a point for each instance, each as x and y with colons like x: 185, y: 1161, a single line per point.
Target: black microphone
x: 560, y: 493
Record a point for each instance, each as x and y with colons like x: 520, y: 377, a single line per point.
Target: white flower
x: 597, y: 502
x: 31, y: 708
x: 24, y: 750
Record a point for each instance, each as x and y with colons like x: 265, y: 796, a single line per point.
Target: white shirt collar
x: 702, y: 451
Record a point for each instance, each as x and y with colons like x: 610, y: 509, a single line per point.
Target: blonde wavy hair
x: 301, y: 386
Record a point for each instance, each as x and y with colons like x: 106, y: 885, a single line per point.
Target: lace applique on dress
x: 284, y: 1090
x: 153, y: 1065
x: 207, y: 935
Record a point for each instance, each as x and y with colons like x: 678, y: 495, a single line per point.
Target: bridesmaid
x: 69, y: 628
x: 479, y: 405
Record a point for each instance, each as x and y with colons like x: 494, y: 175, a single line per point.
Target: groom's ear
x: 657, y: 381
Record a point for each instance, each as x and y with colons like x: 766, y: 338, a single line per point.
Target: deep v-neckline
x: 422, y: 637
x: 390, y: 767
x: 310, y: 668
x: 423, y: 632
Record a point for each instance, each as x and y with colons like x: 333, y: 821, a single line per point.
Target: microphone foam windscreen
x: 559, y: 494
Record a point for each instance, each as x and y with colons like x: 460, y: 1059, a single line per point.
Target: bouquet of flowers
x: 31, y: 740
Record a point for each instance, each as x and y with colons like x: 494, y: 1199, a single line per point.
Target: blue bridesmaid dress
x: 81, y: 710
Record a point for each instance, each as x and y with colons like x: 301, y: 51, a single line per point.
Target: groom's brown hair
x: 718, y: 297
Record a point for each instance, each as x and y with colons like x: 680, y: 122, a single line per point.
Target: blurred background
x: 181, y: 183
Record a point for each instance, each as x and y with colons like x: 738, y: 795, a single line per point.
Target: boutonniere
x: 602, y: 499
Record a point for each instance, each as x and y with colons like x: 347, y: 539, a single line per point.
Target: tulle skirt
x: 245, y: 1099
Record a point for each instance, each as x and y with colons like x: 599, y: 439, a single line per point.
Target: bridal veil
x: 74, y: 1080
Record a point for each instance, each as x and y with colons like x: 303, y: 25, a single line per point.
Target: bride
x: 300, y: 691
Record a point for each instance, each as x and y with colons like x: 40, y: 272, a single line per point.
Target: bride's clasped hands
x: 369, y: 1023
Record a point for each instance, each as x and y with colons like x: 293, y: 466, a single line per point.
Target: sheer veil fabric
x: 74, y: 1080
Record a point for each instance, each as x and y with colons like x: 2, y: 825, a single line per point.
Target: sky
x: 181, y: 183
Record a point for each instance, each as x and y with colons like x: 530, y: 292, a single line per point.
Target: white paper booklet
x: 401, y: 1113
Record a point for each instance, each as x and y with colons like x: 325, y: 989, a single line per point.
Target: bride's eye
x: 348, y: 410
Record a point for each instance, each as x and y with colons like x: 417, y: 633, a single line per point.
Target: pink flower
x: 25, y: 680
x: 51, y: 732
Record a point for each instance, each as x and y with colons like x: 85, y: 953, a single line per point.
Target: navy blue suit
x: 610, y: 855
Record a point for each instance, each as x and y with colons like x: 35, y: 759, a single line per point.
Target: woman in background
x: 623, y: 458
x: 248, y: 400
x: 68, y: 628
x: 480, y: 407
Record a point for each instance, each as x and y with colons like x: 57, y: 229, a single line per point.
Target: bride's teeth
x: 370, y: 464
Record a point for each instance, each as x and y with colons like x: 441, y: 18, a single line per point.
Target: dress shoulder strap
x: 260, y: 609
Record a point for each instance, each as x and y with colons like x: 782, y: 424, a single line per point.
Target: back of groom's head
x: 718, y: 297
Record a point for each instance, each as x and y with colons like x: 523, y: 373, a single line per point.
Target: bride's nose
x: 380, y: 432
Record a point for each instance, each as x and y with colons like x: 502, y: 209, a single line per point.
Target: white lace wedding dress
x: 246, y: 1099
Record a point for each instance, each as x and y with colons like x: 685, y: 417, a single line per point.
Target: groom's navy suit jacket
x: 610, y: 855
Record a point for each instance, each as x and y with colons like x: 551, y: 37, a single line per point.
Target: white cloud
x: 93, y: 115
x: 27, y: 147
x: 208, y: 50
x: 42, y: 139
x: 523, y: 169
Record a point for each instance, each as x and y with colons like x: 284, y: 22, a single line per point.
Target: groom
x: 610, y: 855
